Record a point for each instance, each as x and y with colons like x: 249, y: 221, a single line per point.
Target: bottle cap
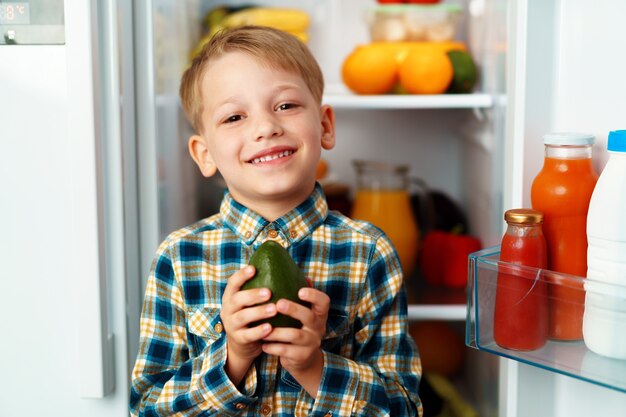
x: 523, y: 216
x: 568, y: 138
x: 617, y: 141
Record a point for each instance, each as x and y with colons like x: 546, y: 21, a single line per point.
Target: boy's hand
x: 239, y: 309
x: 299, y: 349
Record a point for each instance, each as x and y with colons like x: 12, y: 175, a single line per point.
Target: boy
x: 254, y: 97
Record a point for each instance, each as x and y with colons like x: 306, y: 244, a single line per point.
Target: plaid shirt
x: 371, y: 365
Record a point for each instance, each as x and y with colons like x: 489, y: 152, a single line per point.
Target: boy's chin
x: 276, y: 190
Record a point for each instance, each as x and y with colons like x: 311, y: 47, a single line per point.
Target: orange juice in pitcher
x: 382, y: 198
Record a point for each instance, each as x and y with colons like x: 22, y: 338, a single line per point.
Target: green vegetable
x: 277, y: 271
x: 465, y: 74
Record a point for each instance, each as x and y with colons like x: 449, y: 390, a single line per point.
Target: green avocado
x: 277, y: 271
x: 465, y: 73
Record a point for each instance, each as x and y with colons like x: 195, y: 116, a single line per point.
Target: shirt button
x: 293, y: 234
x: 240, y: 406
x: 248, y: 234
x: 272, y: 233
x: 266, y: 409
x: 218, y: 327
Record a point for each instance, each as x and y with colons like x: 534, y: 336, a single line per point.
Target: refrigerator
x: 95, y: 171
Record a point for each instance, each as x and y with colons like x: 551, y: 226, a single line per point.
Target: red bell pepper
x: 444, y: 258
x: 455, y: 269
x: 424, y: 1
x: 432, y: 255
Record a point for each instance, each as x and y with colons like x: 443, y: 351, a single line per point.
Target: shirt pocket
x: 338, y: 330
x: 204, y: 327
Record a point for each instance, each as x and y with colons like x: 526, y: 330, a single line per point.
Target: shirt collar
x: 288, y: 229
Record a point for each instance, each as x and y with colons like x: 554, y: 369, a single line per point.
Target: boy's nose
x: 268, y: 127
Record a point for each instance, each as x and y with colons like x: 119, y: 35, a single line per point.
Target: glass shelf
x: 340, y: 98
x: 436, y: 312
x: 428, y: 302
x: 571, y: 358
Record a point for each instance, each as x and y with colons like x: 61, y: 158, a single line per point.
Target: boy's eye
x: 286, y: 106
x: 233, y: 118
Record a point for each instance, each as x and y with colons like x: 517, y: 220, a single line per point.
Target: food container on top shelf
x: 412, y: 22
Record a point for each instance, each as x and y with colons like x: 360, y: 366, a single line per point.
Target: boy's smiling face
x: 263, y: 130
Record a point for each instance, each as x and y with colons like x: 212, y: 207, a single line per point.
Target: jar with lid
x: 521, y: 306
x: 562, y: 191
x: 382, y: 198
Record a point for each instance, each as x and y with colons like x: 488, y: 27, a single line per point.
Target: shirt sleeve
x: 383, y: 377
x: 165, y: 380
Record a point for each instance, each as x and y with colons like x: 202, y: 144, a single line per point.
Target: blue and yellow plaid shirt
x: 371, y: 365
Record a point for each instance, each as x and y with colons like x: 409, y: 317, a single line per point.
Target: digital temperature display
x: 14, y: 13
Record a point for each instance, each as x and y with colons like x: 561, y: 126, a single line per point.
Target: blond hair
x: 274, y: 47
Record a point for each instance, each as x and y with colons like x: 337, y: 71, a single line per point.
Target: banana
x: 288, y: 20
x: 293, y: 21
x: 215, y: 16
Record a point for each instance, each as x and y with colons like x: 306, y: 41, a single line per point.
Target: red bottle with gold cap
x: 521, y: 310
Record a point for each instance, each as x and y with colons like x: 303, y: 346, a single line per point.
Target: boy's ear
x: 202, y: 157
x: 328, y: 127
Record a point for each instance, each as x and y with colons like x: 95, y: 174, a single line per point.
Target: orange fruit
x: 401, y: 49
x: 441, y: 348
x: 321, y: 170
x: 426, y: 70
x: 370, y: 70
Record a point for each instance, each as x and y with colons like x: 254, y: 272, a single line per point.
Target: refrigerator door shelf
x: 571, y: 358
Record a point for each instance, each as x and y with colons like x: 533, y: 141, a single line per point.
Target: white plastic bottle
x: 604, y: 322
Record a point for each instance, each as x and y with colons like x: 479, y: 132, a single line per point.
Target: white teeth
x: 271, y: 157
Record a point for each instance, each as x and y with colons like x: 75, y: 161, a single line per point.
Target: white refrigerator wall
x: 573, y: 81
x: 64, y: 311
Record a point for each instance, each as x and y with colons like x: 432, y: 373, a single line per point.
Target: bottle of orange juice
x: 382, y: 198
x: 562, y: 191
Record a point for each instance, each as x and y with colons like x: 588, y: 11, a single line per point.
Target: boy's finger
x: 256, y: 333
x: 295, y: 310
x: 237, y: 279
x: 253, y: 314
x: 276, y: 349
x: 320, y: 301
x: 295, y: 353
x: 285, y: 335
x: 251, y: 297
